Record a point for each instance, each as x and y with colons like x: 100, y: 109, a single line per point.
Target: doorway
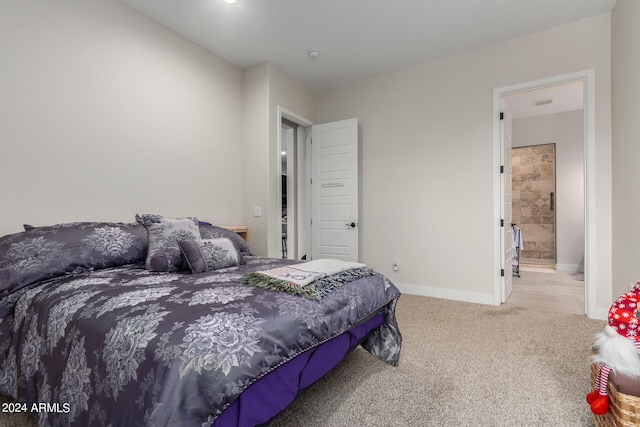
x: 288, y: 184
x: 292, y: 223
x: 586, y: 79
x: 317, y: 206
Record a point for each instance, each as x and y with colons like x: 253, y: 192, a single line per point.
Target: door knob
x: 352, y: 225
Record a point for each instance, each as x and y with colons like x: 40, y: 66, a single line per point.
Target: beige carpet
x: 462, y: 364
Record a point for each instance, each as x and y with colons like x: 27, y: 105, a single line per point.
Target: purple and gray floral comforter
x: 125, y: 346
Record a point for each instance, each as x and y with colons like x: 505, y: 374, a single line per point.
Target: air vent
x: 542, y: 102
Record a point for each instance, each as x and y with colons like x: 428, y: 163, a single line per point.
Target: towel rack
x: 517, y: 242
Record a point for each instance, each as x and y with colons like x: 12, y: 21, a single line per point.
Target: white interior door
x: 334, y: 190
x: 506, y: 231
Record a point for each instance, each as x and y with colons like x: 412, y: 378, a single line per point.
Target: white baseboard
x: 601, y: 314
x: 466, y: 296
x: 452, y: 294
x: 570, y: 267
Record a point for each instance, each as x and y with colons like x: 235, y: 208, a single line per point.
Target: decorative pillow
x: 208, y: 231
x: 166, y: 260
x: 164, y: 235
x: 49, y: 251
x: 210, y: 254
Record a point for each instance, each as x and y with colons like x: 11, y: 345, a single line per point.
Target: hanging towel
x: 517, y: 238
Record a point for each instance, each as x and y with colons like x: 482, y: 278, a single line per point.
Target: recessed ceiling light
x: 230, y: 1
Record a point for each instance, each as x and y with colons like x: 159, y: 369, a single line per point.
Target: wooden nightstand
x: 241, y: 230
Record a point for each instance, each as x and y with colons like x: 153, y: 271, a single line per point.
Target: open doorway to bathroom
x: 548, y: 140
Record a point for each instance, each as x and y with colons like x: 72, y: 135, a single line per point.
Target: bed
x: 144, y: 323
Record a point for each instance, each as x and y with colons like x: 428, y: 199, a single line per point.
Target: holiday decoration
x: 617, y: 347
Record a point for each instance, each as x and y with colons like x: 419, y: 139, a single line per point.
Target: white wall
x: 266, y: 87
x: 625, y: 34
x: 256, y: 154
x: 566, y: 130
x: 427, y: 166
x: 104, y: 114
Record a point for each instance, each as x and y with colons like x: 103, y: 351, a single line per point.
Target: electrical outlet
x: 396, y: 263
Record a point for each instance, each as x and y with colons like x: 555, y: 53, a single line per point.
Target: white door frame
x: 506, y: 213
x: 588, y: 79
x: 275, y: 223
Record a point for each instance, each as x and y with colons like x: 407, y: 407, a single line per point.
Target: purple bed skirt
x: 272, y: 393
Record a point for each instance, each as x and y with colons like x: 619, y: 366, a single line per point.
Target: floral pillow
x: 210, y: 254
x: 164, y: 236
x: 50, y: 251
x: 208, y: 231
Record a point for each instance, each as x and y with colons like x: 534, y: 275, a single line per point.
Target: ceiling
x: 549, y: 100
x: 356, y: 38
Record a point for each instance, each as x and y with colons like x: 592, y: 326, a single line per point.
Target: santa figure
x: 617, y: 348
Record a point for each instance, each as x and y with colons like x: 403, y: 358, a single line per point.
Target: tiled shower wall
x: 533, y: 211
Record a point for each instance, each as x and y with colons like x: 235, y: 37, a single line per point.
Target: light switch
x: 257, y: 211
